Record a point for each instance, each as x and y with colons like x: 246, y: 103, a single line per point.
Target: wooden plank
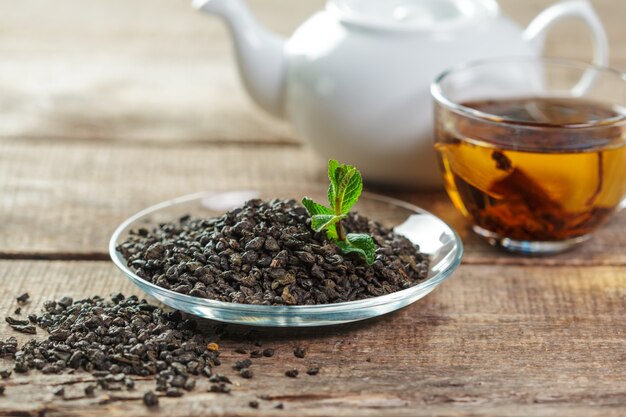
x: 509, y: 341
x: 148, y: 69
x: 156, y: 70
x: 64, y: 199
x: 94, y: 186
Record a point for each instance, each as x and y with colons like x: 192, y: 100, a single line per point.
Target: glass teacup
x: 532, y: 150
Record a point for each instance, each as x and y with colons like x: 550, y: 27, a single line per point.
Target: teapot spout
x: 260, y: 53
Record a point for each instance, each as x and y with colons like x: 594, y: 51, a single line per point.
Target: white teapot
x: 354, y: 78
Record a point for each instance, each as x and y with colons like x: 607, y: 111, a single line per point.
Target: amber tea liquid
x: 539, y: 183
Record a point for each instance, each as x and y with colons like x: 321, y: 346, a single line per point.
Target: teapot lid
x: 412, y: 14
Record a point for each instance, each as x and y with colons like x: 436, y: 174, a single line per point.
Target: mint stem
x: 341, y: 234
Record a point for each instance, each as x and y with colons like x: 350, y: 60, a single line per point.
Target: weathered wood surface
x: 63, y: 199
x: 110, y: 106
x: 509, y: 341
x: 157, y: 70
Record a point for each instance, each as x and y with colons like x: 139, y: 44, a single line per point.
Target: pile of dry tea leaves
x: 266, y: 253
x: 117, y: 339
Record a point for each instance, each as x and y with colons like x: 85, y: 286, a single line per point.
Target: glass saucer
x: 434, y: 237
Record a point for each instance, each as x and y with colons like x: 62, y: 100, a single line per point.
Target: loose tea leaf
x: 292, y: 373
x: 219, y: 388
x: 16, y: 322
x: 150, y: 399
x: 344, y: 190
x: 28, y: 328
x: 23, y: 298
x: 299, y: 352
x: 313, y: 370
x: 246, y: 373
x: 90, y: 390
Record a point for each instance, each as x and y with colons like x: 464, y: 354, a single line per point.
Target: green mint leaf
x: 314, y: 208
x: 345, y: 186
x: 344, y: 190
x: 361, y: 244
x: 321, y: 222
x: 332, y: 168
x: 331, y: 233
x: 351, y: 191
x: 333, y: 164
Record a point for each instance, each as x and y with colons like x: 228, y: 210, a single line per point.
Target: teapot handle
x: 536, y: 31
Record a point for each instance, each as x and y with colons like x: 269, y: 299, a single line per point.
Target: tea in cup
x: 532, y: 150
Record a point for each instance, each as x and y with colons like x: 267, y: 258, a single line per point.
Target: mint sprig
x: 346, y: 185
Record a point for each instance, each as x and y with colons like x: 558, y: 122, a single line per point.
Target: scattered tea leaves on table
x: 113, y: 339
x: 313, y: 370
x: 220, y: 378
x: 23, y: 298
x: 239, y: 365
x: 174, y: 392
x: 220, y: 388
x: 90, y: 390
x: 16, y: 322
x: 299, y: 352
x: 150, y: 399
x: 246, y: 373
x: 24, y: 328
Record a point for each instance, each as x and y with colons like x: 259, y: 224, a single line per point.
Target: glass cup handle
x: 537, y: 30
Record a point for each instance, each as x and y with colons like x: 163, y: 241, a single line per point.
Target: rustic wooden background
x: 109, y: 106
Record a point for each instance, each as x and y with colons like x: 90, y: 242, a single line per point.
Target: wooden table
x: 109, y: 106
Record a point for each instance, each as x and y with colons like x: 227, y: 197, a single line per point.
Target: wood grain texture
x: 64, y: 199
x: 147, y: 69
x: 157, y: 70
x: 509, y: 341
x: 82, y: 191
x: 107, y: 107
